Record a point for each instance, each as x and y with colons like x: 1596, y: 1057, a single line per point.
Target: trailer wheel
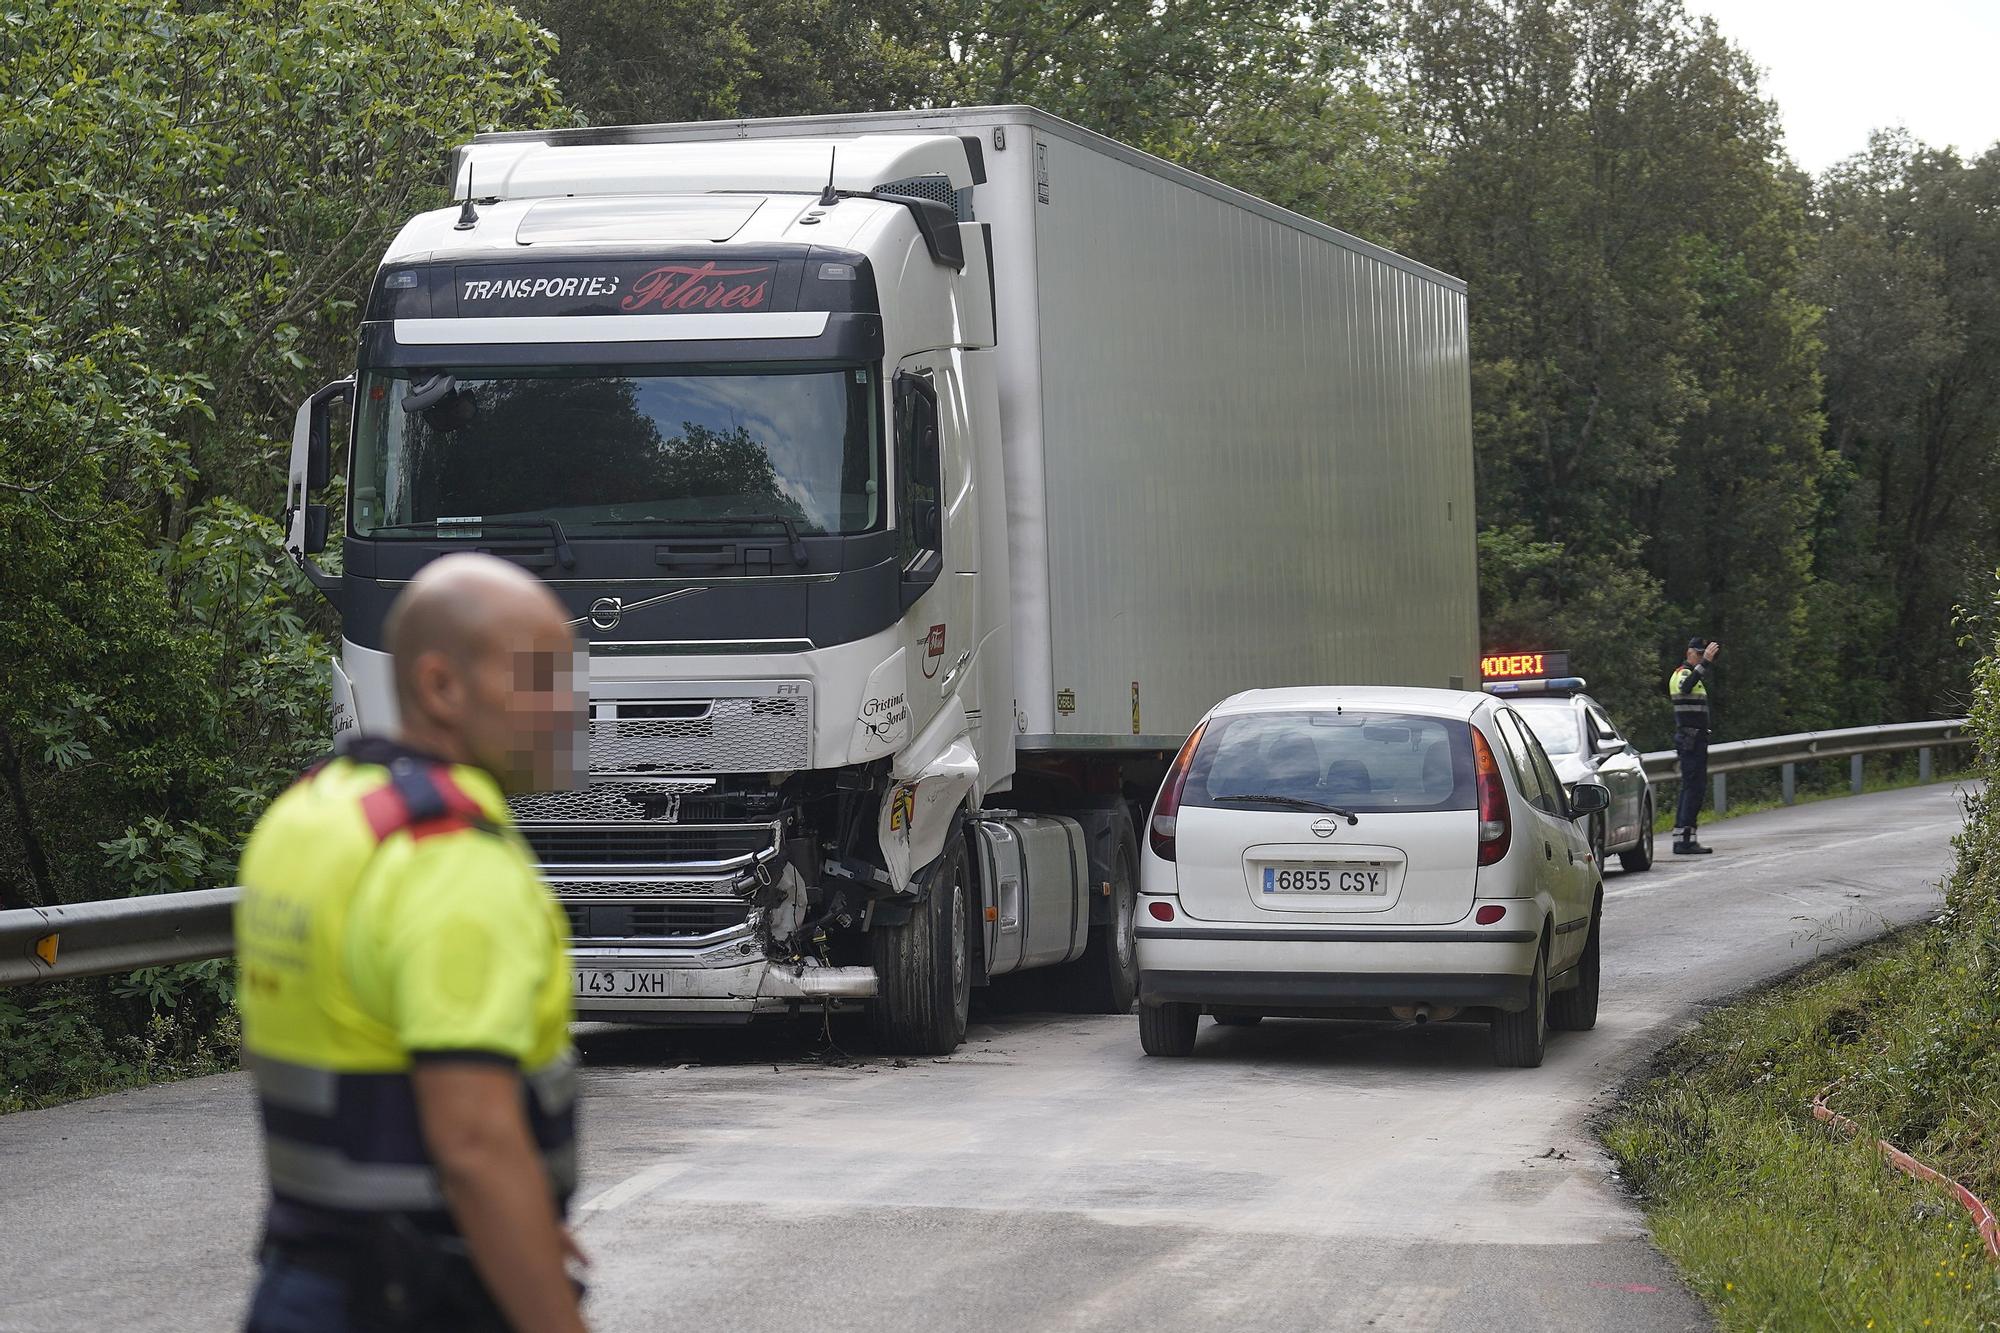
x: 924, y: 968
x: 1107, y: 976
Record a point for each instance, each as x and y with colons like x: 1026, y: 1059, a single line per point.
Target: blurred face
x: 527, y: 722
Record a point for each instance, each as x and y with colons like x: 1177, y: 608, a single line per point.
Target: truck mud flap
x: 1104, y: 830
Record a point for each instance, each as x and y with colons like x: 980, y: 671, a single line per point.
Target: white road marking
x: 633, y: 1186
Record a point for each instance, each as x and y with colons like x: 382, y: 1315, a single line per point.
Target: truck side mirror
x: 316, y: 462
x: 315, y: 533
x: 319, y: 450
x: 919, y: 483
x: 306, y: 523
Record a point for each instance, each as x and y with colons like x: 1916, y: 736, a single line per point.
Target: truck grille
x: 763, y: 728
x: 612, y: 802
x: 665, y: 846
x: 662, y: 920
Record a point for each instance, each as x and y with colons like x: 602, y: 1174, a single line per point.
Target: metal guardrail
x: 1788, y: 752
x: 120, y: 935
x: 125, y: 934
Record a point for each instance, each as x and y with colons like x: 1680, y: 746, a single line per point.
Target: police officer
x: 1689, y: 687
x: 405, y: 993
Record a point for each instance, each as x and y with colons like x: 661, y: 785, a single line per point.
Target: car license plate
x: 623, y: 983
x: 1335, y: 881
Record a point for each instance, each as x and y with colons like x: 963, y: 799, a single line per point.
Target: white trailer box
x: 1237, y: 442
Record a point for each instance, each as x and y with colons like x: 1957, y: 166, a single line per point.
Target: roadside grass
x: 58, y: 1046
x: 1781, y: 1223
x: 1755, y: 792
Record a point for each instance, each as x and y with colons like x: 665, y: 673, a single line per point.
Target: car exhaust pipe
x: 1425, y: 1012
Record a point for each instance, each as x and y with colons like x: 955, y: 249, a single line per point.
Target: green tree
x: 635, y: 62
x: 1606, y: 178
x: 1908, y: 268
x: 192, y: 197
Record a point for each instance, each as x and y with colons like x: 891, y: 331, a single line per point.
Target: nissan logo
x: 605, y: 611
x: 1324, y: 828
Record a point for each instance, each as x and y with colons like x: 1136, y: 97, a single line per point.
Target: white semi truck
x: 917, y: 480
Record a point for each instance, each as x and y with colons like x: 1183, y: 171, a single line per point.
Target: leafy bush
x: 192, y: 199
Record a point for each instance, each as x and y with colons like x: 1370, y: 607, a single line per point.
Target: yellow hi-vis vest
x: 389, y: 915
x: 1690, y: 694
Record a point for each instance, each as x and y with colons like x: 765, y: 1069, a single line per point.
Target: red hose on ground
x: 1982, y: 1213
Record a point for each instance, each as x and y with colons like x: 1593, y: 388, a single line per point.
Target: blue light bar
x: 1554, y: 685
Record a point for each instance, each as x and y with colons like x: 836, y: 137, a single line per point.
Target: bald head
x: 484, y: 666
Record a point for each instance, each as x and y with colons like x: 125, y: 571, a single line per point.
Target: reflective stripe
x: 294, y: 1087
x: 331, y: 1179
x: 325, y: 1177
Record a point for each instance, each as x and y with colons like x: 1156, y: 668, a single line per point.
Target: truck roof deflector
x: 939, y: 225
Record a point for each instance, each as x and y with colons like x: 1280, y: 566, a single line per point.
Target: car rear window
x: 1359, y: 761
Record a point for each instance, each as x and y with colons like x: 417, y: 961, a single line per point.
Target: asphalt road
x: 1292, y: 1176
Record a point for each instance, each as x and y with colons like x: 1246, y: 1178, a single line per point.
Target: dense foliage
x: 191, y: 197
x: 1711, y: 395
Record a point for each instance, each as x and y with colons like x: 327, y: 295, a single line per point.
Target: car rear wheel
x: 1575, y: 1010
x: 1641, y: 857
x: 1168, y: 1029
x: 1519, y: 1040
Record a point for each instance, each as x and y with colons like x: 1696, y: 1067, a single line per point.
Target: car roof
x: 1399, y: 698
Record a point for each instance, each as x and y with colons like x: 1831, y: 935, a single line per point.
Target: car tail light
x: 1167, y: 810
x: 1161, y: 911
x: 1490, y: 913
x: 1496, y: 825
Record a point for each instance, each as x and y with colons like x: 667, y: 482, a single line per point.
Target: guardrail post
x: 1791, y: 780
x: 1924, y: 763
x: 1854, y: 765
x: 1721, y: 794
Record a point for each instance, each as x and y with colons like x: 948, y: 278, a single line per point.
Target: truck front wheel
x: 923, y: 968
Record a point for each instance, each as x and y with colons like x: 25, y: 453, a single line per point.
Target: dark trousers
x: 1691, y: 745
x: 292, y: 1299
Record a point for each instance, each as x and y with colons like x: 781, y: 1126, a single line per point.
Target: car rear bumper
x: 1307, y: 991
x: 1303, y: 968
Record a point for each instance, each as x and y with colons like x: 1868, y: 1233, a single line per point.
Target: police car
x: 1583, y: 743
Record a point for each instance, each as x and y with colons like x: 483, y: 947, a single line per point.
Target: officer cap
x: 1697, y: 642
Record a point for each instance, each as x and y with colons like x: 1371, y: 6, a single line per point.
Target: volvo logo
x: 1324, y: 828
x: 606, y: 612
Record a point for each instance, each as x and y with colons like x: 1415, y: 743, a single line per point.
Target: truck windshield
x: 618, y: 448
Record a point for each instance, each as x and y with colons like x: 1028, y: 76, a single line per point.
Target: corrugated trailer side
x: 1256, y: 457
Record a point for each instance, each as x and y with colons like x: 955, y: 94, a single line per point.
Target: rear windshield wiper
x: 1295, y: 802
x: 717, y: 521
x: 443, y: 527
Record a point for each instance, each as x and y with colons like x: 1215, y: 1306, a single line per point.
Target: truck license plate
x: 623, y: 983
x: 1364, y: 881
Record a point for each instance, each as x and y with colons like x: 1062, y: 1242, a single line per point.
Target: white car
x: 1334, y: 852
x: 1585, y: 746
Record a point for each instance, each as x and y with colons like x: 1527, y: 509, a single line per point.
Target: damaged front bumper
x: 720, y: 981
